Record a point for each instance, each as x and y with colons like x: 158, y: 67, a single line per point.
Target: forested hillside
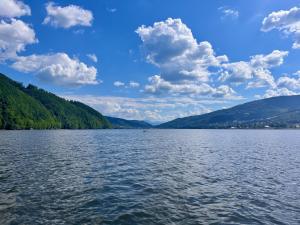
x: 276, y: 112
x: 30, y: 107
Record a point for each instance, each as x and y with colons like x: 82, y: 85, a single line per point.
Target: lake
x: 150, y: 177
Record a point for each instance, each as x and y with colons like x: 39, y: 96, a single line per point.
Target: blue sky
x: 151, y: 59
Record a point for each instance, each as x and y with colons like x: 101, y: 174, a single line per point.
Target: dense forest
x: 33, y: 108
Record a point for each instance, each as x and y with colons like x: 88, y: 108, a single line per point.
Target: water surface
x: 153, y: 177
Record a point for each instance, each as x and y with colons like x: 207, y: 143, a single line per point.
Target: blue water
x: 153, y: 177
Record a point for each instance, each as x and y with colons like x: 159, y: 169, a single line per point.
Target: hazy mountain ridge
x: 119, y: 123
x: 277, y: 112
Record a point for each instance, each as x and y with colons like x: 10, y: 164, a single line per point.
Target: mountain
x: 30, y: 107
x: 128, y: 124
x: 276, y: 112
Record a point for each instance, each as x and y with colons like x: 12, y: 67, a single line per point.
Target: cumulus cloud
x: 14, y: 36
x: 224, y: 91
x: 286, y: 21
x: 285, y: 86
x: 185, y: 64
x: 229, y: 13
x: 68, y: 16
x: 277, y: 92
x: 171, y: 46
x: 273, y: 59
x: 237, y: 72
x: 92, y: 57
x: 119, y: 84
x: 153, y: 109
x: 160, y: 86
x: 289, y: 83
x: 57, y: 68
x: 13, y: 8
x: 256, y: 71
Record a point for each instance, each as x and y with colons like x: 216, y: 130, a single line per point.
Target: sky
x: 153, y: 60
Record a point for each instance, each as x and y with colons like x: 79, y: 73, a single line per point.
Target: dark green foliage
x: 277, y: 112
x: 26, y: 108
x: 73, y: 115
x: 20, y: 111
x: 128, y: 124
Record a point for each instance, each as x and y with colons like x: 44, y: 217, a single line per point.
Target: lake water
x: 153, y: 177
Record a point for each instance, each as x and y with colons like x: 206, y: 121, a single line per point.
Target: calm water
x: 154, y: 177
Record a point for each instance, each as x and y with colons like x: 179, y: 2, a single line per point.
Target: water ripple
x: 155, y: 177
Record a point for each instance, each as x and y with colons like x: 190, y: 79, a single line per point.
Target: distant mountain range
x: 128, y: 124
x: 276, y: 112
x: 33, y: 108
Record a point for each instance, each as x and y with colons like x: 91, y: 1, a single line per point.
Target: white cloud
x: 287, y: 21
x: 262, y: 78
x: 289, y: 83
x: 186, y: 66
x: 256, y: 71
x: 131, y: 84
x: 67, y: 16
x: 184, y: 63
x: 134, y: 84
x: 150, y: 108
x: 13, y: 8
x: 285, y: 86
x: 229, y: 13
x: 57, y: 68
x: 160, y: 86
x: 119, y: 84
x: 237, y: 72
x: 224, y: 91
x: 277, y: 92
x: 271, y: 60
x: 171, y: 46
x: 14, y: 36
x: 92, y: 57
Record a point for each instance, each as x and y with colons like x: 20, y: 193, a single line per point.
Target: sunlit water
x: 153, y: 177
